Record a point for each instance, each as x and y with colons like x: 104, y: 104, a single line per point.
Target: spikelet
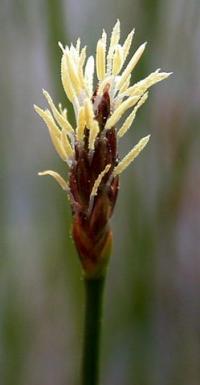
x: 91, y: 149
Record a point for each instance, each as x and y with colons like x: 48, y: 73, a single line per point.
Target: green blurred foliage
x: 151, y: 322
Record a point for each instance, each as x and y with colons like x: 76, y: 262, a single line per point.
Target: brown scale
x: 91, y: 231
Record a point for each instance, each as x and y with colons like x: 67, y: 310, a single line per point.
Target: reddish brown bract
x: 91, y: 214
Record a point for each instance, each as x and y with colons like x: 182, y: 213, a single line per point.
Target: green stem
x: 93, y: 313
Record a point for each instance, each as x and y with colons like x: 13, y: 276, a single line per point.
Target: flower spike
x: 91, y: 147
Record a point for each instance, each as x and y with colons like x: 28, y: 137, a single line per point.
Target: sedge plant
x: 90, y: 151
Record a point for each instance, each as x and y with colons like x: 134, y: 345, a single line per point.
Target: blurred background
x: 151, y: 325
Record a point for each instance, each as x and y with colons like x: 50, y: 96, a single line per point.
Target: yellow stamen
x: 66, y: 144
x: 54, y: 131
x: 98, y: 180
x: 100, y: 59
x: 89, y: 113
x: 115, y: 36
x: 61, y: 47
x: 74, y: 76
x: 143, y: 85
x: 78, y: 86
x: 118, y: 59
x: 63, y: 111
x: 81, y: 124
x: 91, y: 124
x: 128, y: 122
x: 125, y: 84
x: 114, y: 40
x: 89, y: 75
x: 82, y: 56
x: 57, y: 177
x: 104, y: 38
x: 127, y: 43
x: 61, y: 120
x: 80, y: 67
x: 131, y: 156
x: 47, y: 117
x: 94, y: 130
x: 131, y: 65
x: 121, y: 109
x: 66, y: 81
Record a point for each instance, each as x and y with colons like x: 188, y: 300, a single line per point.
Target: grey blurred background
x: 151, y: 322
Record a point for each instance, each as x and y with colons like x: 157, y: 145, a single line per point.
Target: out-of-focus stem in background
x: 57, y: 31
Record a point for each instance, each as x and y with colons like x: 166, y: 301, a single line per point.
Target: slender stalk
x: 92, y: 330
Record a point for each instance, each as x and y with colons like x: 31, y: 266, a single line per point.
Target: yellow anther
x: 73, y: 73
x: 131, y: 156
x: 118, y: 59
x: 59, y: 117
x: 54, y: 131
x: 129, y: 121
x: 57, y: 177
x: 89, y: 75
x: 89, y: 113
x: 66, y: 81
x: 115, y: 36
x: 82, y: 57
x: 81, y: 124
x: 127, y: 44
x: 81, y: 63
x: 94, y: 130
x: 48, y: 119
x: 98, y: 180
x: 100, y: 59
x: 143, y: 85
x: 114, y: 40
x: 125, y: 84
x: 66, y: 145
x: 104, y: 37
x: 121, y: 109
x: 131, y: 65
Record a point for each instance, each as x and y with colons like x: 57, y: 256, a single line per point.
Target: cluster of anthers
x: 90, y: 150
